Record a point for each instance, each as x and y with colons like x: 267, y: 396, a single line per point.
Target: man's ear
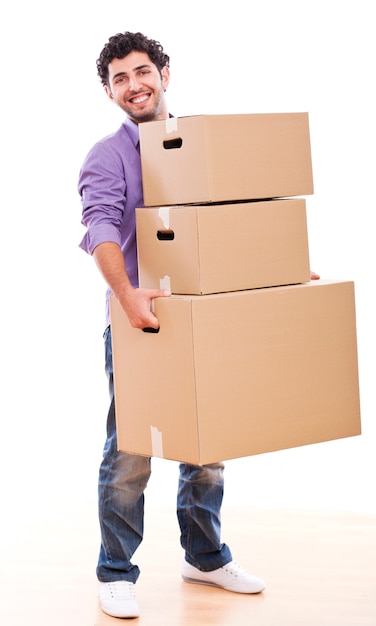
x: 109, y: 92
x: 165, y: 72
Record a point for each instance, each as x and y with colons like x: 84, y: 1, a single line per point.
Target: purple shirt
x: 110, y: 186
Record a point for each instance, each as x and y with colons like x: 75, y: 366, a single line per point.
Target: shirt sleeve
x: 102, y: 188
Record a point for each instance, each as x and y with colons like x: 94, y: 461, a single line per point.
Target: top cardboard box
x: 220, y: 158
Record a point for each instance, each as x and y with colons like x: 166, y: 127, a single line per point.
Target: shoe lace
x: 121, y: 589
x: 234, y: 569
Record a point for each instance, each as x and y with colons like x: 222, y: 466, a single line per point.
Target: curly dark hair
x: 118, y: 46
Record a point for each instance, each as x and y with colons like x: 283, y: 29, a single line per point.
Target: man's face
x: 137, y: 87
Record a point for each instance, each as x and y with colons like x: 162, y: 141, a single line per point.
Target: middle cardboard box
x: 218, y: 248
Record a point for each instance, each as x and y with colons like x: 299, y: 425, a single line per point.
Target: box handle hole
x: 165, y: 235
x: 173, y: 144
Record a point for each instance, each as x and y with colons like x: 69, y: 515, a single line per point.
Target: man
x: 134, y: 71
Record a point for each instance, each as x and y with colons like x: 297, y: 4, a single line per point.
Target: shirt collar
x: 132, y: 130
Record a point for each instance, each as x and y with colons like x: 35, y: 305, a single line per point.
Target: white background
x: 238, y: 57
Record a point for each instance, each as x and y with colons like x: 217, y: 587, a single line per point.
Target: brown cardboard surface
x: 219, y: 158
x: 217, y: 248
x: 237, y: 374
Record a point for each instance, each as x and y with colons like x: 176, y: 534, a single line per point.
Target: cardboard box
x: 237, y: 374
x: 218, y: 248
x: 219, y: 158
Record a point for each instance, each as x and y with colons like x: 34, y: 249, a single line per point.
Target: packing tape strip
x: 165, y: 283
x: 164, y: 215
x: 156, y: 442
x: 171, y: 124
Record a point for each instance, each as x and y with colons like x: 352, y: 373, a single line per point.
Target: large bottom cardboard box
x: 238, y: 374
x: 219, y: 248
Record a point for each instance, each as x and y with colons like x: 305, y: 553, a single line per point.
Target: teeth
x: 140, y: 99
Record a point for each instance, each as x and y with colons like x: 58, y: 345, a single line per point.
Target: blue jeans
x: 122, y: 480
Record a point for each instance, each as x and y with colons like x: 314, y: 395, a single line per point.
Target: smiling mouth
x: 140, y: 99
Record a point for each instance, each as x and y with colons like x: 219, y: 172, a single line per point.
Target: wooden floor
x: 319, y: 567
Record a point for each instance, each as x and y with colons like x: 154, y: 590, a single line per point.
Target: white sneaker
x: 118, y: 599
x: 230, y: 577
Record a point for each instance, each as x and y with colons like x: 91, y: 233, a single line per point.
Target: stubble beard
x: 149, y: 116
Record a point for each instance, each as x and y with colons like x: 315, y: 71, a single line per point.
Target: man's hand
x: 137, y: 304
x: 314, y: 276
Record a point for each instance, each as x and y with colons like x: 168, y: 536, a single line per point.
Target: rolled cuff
x: 100, y: 233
